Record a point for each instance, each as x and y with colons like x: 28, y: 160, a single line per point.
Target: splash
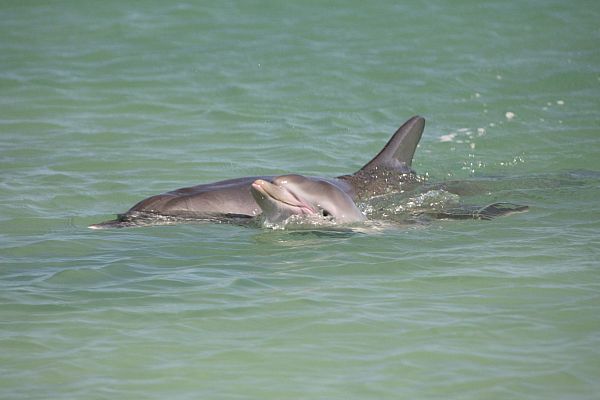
x: 301, y: 222
x: 402, y: 207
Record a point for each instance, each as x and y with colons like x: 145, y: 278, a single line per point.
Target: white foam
x: 447, y: 138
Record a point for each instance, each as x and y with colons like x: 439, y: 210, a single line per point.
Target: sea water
x: 105, y: 103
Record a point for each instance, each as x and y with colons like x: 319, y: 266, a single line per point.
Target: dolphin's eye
x: 325, y: 213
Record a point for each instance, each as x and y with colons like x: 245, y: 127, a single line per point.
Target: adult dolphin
x: 230, y: 199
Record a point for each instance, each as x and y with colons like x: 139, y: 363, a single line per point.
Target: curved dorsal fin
x: 400, y: 149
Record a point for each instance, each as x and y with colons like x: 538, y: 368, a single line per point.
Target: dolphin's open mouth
x: 283, y: 196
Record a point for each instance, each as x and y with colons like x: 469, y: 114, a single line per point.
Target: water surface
x: 103, y: 104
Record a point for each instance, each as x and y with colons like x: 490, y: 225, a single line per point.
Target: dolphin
x: 293, y: 194
x: 231, y: 199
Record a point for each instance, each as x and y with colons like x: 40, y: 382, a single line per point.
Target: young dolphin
x: 387, y: 171
x: 293, y: 194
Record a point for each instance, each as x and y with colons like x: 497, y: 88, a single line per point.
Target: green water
x: 105, y: 103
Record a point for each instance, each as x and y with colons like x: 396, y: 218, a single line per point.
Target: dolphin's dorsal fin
x: 400, y: 149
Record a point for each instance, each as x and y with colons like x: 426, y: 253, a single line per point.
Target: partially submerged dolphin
x: 289, y: 195
x: 388, y: 171
x: 278, y: 197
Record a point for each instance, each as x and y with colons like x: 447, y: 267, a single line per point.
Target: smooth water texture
x: 106, y: 103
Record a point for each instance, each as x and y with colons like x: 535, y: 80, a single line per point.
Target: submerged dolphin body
x: 291, y: 195
x: 233, y: 198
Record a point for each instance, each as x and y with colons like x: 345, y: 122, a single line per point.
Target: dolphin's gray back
x: 230, y: 196
x: 390, y: 170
